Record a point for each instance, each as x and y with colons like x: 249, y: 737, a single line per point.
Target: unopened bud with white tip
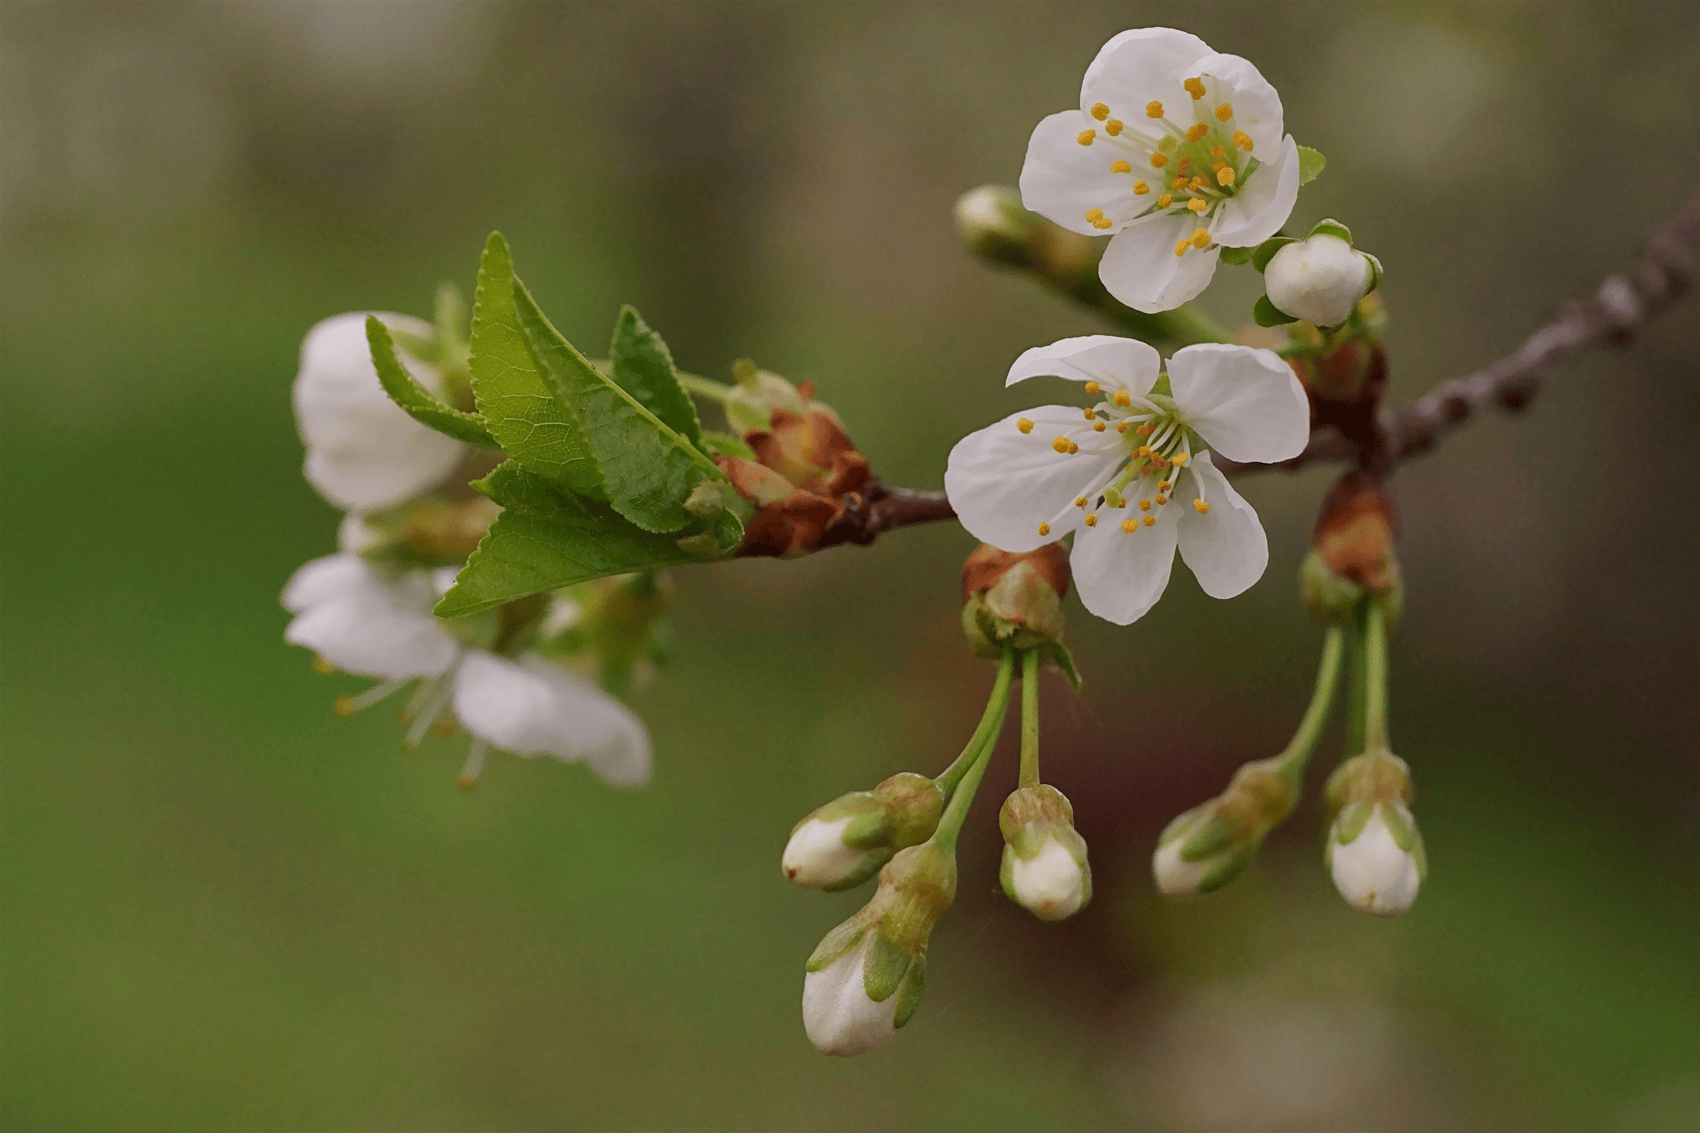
x: 1375, y: 851
x: 1321, y: 278
x: 1045, y: 869
x: 1211, y: 844
x: 846, y: 841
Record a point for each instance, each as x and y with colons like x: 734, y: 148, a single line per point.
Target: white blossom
x: 1052, y: 884
x: 377, y: 623
x: 1373, y: 871
x: 364, y: 453
x: 1131, y: 476
x: 1318, y: 279
x: 838, y: 1014
x: 1176, y: 151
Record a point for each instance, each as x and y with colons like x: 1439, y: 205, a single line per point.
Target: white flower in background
x: 1319, y: 279
x: 838, y: 1014
x: 1131, y: 476
x: 378, y: 624
x: 1381, y: 869
x: 1176, y: 150
x: 364, y: 453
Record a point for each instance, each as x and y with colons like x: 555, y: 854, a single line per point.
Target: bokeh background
x: 225, y: 907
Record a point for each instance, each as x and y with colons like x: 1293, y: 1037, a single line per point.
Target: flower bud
x: 865, y: 979
x: 1375, y: 852
x: 1013, y: 600
x: 995, y: 225
x: 757, y: 395
x: 1319, y: 279
x: 1352, y: 554
x: 846, y: 841
x: 1211, y: 844
x: 1045, y: 870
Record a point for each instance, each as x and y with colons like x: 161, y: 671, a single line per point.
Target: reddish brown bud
x: 812, y: 451
x: 987, y: 566
x: 1354, y: 533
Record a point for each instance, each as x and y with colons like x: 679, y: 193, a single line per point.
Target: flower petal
x: 1063, y: 180
x: 1264, y: 203
x: 1004, y: 483
x: 1225, y: 546
x: 1247, y: 404
x: 1121, y: 574
x: 322, y: 580
x: 368, y: 623
x: 1256, y: 106
x: 1140, y: 267
x: 1140, y: 66
x: 1117, y: 363
x: 536, y: 708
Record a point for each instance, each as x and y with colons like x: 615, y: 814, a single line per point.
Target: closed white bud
x: 1044, y: 857
x: 1380, y: 868
x: 817, y: 857
x: 1211, y: 844
x: 838, y: 1014
x: 1319, y: 279
x: 1175, y: 876
x: 1052, y: 885
x: 846, y: 841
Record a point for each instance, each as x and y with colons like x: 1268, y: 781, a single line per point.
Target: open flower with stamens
x: 1132, y: 476
x: 1176, y: 151
x: 377, y: 623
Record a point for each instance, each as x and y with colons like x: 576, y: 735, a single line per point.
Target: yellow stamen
x: 1243, y: 140
x: 1180, y: 249
x: 1198, y: 183
x: 1196, y: 131
x: 1121, y: 501
x: 1224, y: 112
x: 1122, y: 398
x: 1218, y: 151
x: 1100, y: 112
x: 445, y: 727
x: 1089, y: 414
x: 1186, y: 164
x: 1179, y: 459
x: 1200, y: 506
x: 1091, y: 521
x: 345, y: 706
x: 1178, y: 183
x: 1102, y: 222
x: 1161, y: 499
x: 1060, y: 444
x: 323, y: 667
x: 1158, y: 160
x: 1099, y: 426
x: 1130, y: 525
x: 1094, y: 214
x: 1164, y: 485
x: 1201, y: 239
x: 1044, y: 529
x: 1150, y: 521
x: 1086, y: 137
x: 1153, y: 109
x: 1140, y: 188
x: 1198, y: 204
x: 1113, y: 127
x: 1024, y: 425
x: 1073, y: 448
x: 1120, y: 166
x: 1225, y: 176
x: 1165, y: 200
x: 466, y: 781
x: 1080, y: 501
x: 1121, y: 426
x: 1194, y: 87
x: 1145, y: 431
x: 1093, y: 389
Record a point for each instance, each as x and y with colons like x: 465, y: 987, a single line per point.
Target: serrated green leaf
x: 1236, y: 256
x: 725, y: 444
x: 1268, y: 314
x: 517, y: 405
x: 643, y: 368
x: 406, y: 392
x: 648, y: 469
x: 1311, y: 164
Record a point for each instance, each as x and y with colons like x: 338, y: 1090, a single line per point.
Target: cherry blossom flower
x: 1132, y: 476
x: 364, y: 453
x: 376, y: 623
x: 1176, y: 151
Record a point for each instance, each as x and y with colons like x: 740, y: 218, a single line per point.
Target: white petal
x: 1140, y: 267
x: 1263, y: 204
x: 1063, y: 180
x: 535, y: 708
x: 1372, y: 872
x: 363, y: 452
x: 816, y: 855
x: 1225, y: 546
x: 837, y: 1013
x: 1051, y: 884
x: 1175, y: 876
x: 1121, y: 574
x: 1257, y: 108
x: 1003, y: 483
x: 1247, y: 404
x: 1140, y: 66
x: 366, y: 622
x: 1116, y: 363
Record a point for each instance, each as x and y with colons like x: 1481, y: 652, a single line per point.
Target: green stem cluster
x: 1292, y: 760
x: 962, y: 778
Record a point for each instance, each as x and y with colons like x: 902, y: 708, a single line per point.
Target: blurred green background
x: 224, y: 907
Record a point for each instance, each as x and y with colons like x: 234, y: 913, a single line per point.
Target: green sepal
x: 872, y: 863
x: 1226, y: 869
x: 1236, y: 256
x: 1331, y: 227
x: 727, y: 530
x: 1403, y: 830
x: 1057, y: 654
x: 1374, y: 271
x: 1351, y: 821
x: 835, y: 944
x: 725, y: 444
x: 1268, y: 314
x: 867, y: 831
x: 643, y: 367
x: 1179, y: 825
x: 648, y: 469
x: 1210, y: 836
x: 1419, y: 853
x: 1265, y: 251
x: 884, y: 968
x: 404, y: 389
x: 909, y: 991
x: 1311, y: 164
x: 516, y: 404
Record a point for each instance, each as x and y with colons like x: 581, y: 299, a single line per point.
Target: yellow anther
x: 1121, y: 426
x: 1121, y: 501
x: 1100, y: 112
x: 1194, y: 87
x: 1178, y: 183
x: 1080, y: 501
x: 1089, y: 414
x: 1180, y: 249
x: 1161, y: 499
x: 1198, y: 183
x: 1113, y: 127
x: 1130, y: 525
x: 1165, y: 200
x: 1098, y: 426
x: 1093, y: 389
x: 1044, y: 529
x: 1120, y: 166
x: 1144, y: 505
x: 323, y: 667
x: 1091, y: 521
x: 1225, y: 175
x: 1201, y: 506
x: 1224, y: 112
x: 345, y: 706
x: 1197, y: 204
x: 1186, y: 164
x: 1218, y: 151
x: 1165, y: 485
x: 1201, y: 239
x: 1024, y: 425
x: 1196, y: 131
x: 1140, y: 188
x: 1153, y: 109
x: 1086, y: 137
x: 1102, y: 222
x: 1150, y: 521
x: 1073, y: 448
x: 1094, y: 214
x: 1060, y: 444
x: 1217, y: 165
x: 1158, y: 160
x: 1179, y: 459
x: 1243, y: 140
x: 1145, y: 431
x: 1122, y: 398
x: 1143, y: 450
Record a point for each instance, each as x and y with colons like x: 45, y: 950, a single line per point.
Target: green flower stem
x: 962, y: 778
x: 1355, y: 684
x: 703, y: 387
x: 1292, y: 761
x: 1375, y: 678
x: 1030, y: 718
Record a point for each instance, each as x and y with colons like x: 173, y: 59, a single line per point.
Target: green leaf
x: 725, y: 444
x: 1268, y: 314
x: 643, y: 368
x: 406, y: 392
x: 517, y: 405
x: 1311, y: 163
x: 1266, y: 251
x: 647, y: 469
x: 546, y: 539
x: 1236, y: 256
